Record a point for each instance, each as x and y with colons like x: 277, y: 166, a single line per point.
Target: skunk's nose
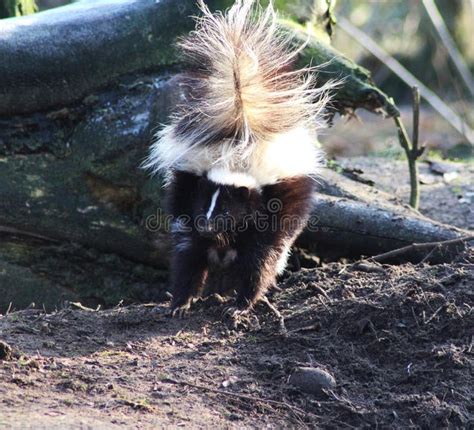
x: 206, y: 230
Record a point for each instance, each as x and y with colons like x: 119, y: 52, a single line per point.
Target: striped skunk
x: 239, y: 155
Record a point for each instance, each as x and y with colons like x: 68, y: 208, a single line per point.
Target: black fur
x: 239, y: 247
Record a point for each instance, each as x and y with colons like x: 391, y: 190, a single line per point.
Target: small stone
x: 230, y: 381
x: 312, y: 380
x: 427, y: 179
x: 450, y: 176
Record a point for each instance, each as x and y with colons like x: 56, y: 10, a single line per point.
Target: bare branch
x: 413, y: 152
x: 429, y: 246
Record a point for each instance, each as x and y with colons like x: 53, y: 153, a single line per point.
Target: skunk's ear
x: 244, y: 192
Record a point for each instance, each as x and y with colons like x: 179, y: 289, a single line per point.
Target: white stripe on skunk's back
x: 225, y: 176
x: 294, y: 153
x: 213, y: 203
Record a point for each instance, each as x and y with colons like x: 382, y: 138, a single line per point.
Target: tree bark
x: 57, y: 57
x: 74, y: 202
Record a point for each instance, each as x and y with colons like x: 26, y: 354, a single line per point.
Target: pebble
x: 312, y: 380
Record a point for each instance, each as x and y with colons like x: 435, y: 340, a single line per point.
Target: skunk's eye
x: 225, y: 212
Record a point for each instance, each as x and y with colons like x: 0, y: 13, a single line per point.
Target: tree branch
x: 421, y: 247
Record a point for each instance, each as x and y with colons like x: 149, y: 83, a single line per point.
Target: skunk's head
x: 225, y: 203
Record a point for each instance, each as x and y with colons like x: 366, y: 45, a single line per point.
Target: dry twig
x: 420, y: 247
x: 80, y: 306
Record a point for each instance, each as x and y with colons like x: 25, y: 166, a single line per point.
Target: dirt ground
x: 397, y: 339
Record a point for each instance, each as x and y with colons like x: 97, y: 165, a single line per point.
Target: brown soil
x: 397, y: 339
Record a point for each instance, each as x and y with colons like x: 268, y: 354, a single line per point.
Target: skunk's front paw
x: 241, y: 317
x: 235, y: 312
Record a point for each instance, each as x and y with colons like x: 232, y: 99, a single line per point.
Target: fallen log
x: 352, y: 219
x: 57, y: 57
x: 350, y: 228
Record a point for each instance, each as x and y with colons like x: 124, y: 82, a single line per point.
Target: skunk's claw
x: 180, y: 311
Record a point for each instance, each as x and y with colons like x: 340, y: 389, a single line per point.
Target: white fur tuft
x: 294, y: 153
x: 223, y: 176
x: 283, y: 259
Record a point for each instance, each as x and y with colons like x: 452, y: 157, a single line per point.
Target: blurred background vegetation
x: 404, y: 30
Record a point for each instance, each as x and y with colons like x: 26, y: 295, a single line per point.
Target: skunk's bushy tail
x: 242, y: 87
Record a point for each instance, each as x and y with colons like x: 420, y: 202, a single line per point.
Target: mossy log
x: 83, y: 89
x: 71, y: 182
x: 57, y: 57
